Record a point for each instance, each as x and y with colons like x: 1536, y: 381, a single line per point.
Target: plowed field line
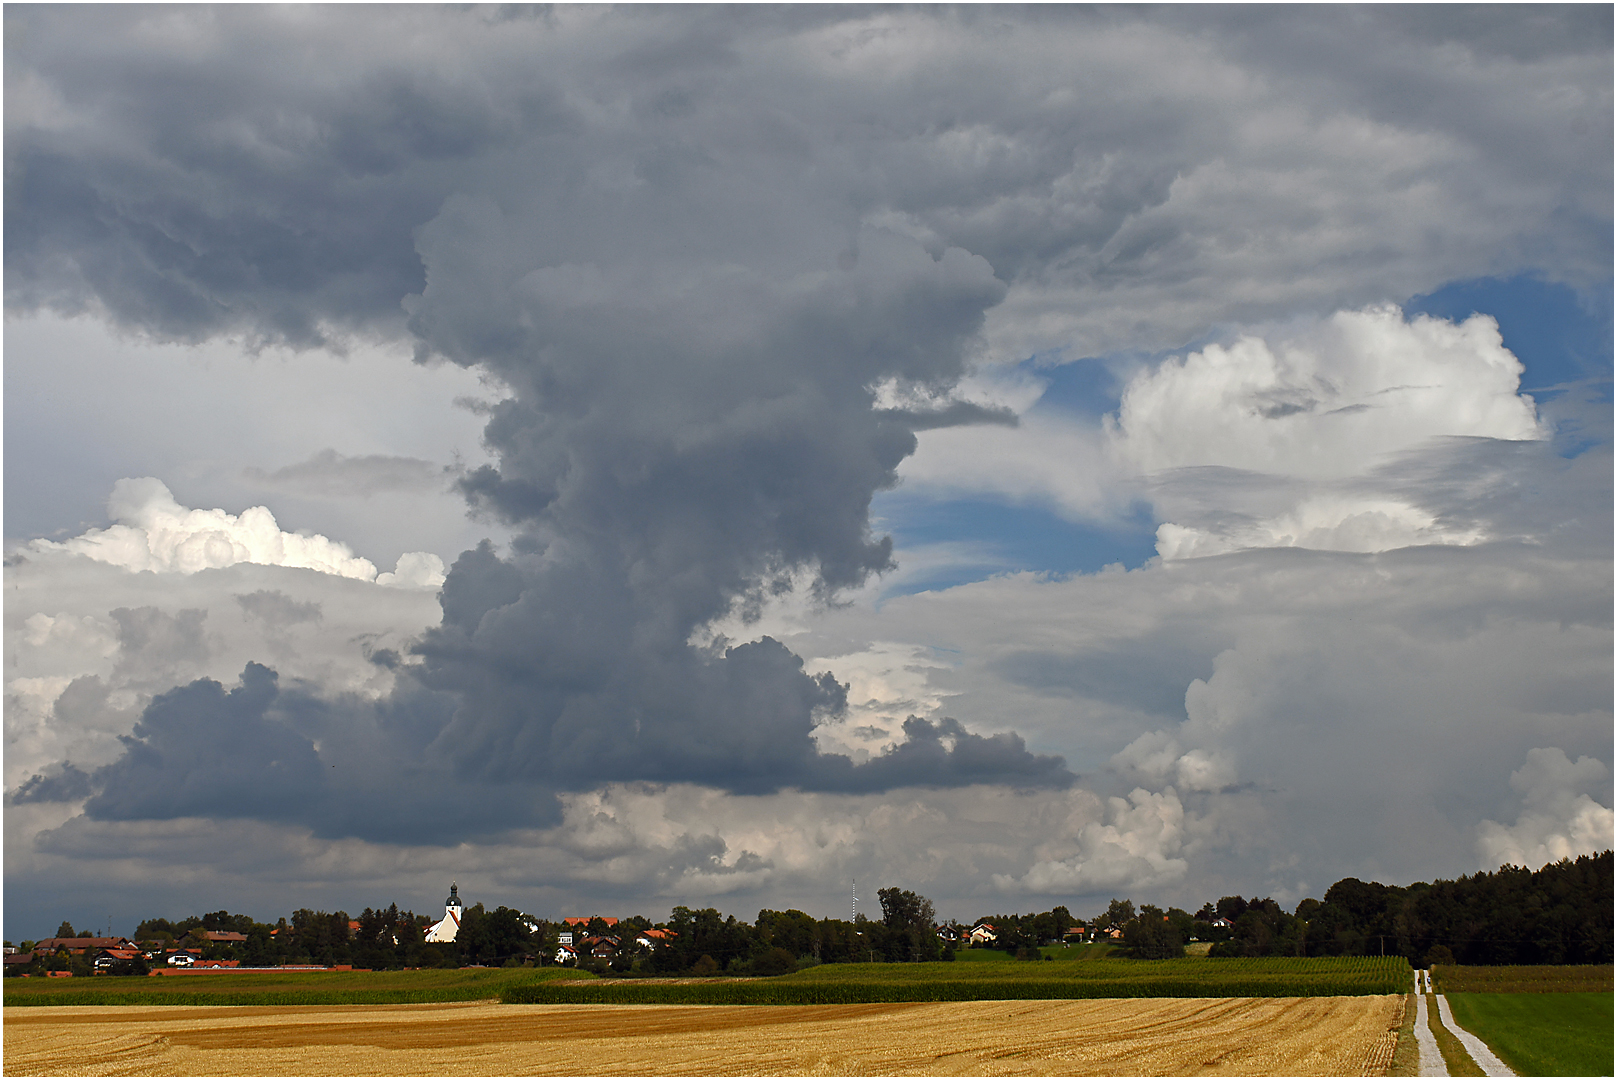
x: 1178, y: 1036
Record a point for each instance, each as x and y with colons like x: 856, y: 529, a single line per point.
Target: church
x: 449, y: 926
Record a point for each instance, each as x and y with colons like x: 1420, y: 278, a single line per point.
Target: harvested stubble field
x: 1178, y: 1036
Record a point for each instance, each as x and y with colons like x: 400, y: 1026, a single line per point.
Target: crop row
x: 783, y: 992
x: 1523, y: 979
x: 256, y: 997
x: 1333, y: 968
x: 312, y: 988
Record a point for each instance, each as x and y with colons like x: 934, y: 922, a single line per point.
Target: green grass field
x: 277, y: 988
x: 1006, y: 980
x: 1541, y: 1034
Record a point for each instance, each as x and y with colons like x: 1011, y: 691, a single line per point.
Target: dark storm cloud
x: 199, y: 750
x: 342, y: 767
x: 67, y: 785
x: 339, y: 767
x: 335, y: 475
x: 692, y: 249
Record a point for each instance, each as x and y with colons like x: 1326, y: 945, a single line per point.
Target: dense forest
x: 1559, y: 914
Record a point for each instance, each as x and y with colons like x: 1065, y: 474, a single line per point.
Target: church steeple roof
x: 454, y: 896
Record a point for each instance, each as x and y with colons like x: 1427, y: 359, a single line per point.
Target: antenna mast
x: 855, y: 900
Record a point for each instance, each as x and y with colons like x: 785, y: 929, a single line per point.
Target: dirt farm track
x: 1157, y: 1036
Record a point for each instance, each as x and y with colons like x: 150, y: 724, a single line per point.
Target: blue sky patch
x: 1562, y: 338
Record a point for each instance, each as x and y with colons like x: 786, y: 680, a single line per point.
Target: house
x: 107, y: 957
x: 181, y: 959
x: 18, y: 960
x: 215, y: 937
x: 1222, y: 923
x: 1114, y: 932
x: 604, y: 946
x: 445, y: 929
x: 947, y: 933
x: 982, y: 933
x: 1074, y: 933
x: 582, y: 921
x: 566, y: 954
x: 76, y: 945
x: 650, y: 939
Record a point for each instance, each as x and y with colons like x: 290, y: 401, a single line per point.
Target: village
x: 316, y: 941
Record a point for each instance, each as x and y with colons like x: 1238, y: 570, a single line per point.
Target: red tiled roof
x: 75, y: 944
x: 584, y: 920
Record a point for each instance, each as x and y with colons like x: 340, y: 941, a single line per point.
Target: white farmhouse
x: 446, y: 929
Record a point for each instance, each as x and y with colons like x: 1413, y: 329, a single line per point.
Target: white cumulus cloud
x: 1558, y: 820
x: 152, y: 531
x: 1278, y: 440
x: 1137, y: 847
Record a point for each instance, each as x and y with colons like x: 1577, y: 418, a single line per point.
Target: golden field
x: 1151, y: 1036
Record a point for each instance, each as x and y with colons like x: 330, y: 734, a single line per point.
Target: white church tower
x: 450, y: 926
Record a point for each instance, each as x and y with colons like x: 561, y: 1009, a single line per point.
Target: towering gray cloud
x: 675, y: 443
x: 719, y: 269
x: 691, y: 330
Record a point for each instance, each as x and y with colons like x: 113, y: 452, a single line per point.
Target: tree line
x: 1559, y: 914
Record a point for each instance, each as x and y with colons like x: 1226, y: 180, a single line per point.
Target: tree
x: 1153, y: 935
x: 911, y: 921
x: 1118, y: 913
x: 776, y: 961
x: 1051, y: 926
x: 495, y: 936
x: 66, y: 930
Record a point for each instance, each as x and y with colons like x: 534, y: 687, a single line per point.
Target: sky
x: 626, y: 458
